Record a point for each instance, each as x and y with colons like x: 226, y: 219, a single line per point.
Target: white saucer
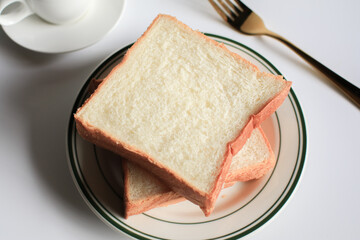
x: 38, y: 35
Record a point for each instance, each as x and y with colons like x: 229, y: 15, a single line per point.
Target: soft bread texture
x: 143, y: 191
x: 254, y: 159
x: 181, y: 105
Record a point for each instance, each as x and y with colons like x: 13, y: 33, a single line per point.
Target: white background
x: 38, y: 198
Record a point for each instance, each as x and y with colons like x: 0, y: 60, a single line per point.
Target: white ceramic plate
x: 38, y: 35
x: 240, y: 209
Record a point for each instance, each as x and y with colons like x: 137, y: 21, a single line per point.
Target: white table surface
x: 38, y: 197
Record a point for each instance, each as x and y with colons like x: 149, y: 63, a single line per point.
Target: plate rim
x: 102, y: 214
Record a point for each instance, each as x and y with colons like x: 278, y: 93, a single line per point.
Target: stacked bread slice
x: 143, y: 191
x: 180, y: 105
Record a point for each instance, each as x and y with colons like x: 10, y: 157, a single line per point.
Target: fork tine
x: 226, y: 7
x: 228, y: 11
x: 233, y: 6
x: 218, y: 10
x: 243, y: 6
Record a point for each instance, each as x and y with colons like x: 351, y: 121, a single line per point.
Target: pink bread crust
x: 206, y: 201
x: 180, y: 198
x: 137, y: 207
x: 159, y: 200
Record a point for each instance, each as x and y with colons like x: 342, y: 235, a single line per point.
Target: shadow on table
x: 43, y: 103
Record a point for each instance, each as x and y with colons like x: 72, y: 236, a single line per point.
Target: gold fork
x: 246, y: 21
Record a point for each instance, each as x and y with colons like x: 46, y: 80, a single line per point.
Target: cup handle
x: 16, y: 13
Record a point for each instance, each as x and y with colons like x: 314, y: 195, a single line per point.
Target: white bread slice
x: 143, y: 191
x: 181, y: 105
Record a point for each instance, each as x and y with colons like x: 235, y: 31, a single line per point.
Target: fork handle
x: 350, y: 90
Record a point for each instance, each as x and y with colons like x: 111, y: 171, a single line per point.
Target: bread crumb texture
x: 142, y: 184
x: 253, y: 152
x: 180, y: 99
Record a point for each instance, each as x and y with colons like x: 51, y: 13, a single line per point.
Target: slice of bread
x: 181, y: 105
x: 143, y: 191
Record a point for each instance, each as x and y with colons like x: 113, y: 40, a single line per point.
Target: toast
x: 181, y: 105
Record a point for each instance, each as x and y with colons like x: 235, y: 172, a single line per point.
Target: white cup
x: 52, y: 11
